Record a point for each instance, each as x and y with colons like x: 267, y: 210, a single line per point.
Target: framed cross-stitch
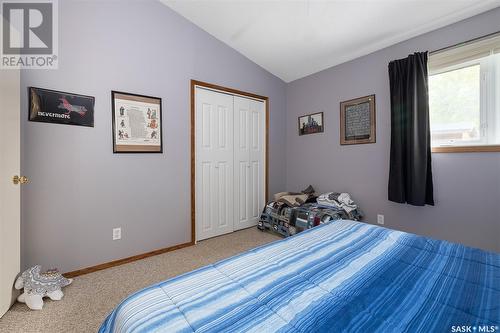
x: 357, y: 121
x: 137, y: 123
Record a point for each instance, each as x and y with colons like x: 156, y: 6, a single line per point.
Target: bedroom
x: 296, y: 59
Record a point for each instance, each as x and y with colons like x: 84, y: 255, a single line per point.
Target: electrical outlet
x: 380, y: 219
x: 117, y: 233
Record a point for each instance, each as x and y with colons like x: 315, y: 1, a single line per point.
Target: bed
x: 344, y: 276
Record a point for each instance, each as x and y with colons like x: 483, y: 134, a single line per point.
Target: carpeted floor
x: 89, y: 299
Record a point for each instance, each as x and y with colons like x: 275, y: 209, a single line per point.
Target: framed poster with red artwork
x: 58, y: 107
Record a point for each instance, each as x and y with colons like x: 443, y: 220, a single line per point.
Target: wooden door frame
x: 210, y: 86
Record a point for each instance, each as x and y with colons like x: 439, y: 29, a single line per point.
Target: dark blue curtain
x: 410, y: 175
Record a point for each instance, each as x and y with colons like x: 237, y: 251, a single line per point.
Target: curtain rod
x: 465, y: 43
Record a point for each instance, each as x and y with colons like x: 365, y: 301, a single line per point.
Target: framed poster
x: 311, y: 123
x: 357, y: 121
x: 137, y: 123
x: 50, y: 106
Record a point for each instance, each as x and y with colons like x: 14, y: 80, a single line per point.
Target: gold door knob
x: 20, y: 180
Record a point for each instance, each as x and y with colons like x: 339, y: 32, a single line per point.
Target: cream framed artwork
x: 137, y: 123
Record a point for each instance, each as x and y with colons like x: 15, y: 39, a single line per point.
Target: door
x: 214, y: 163
x: 9, y: 192
x: 249, y: 161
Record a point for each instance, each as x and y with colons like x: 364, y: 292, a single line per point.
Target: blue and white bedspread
x: 344, y: 276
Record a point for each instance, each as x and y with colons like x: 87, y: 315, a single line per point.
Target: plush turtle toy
x: 38, y: 285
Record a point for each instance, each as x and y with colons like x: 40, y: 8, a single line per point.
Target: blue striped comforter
x: 343, y: 276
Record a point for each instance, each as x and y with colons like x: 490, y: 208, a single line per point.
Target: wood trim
x: 125, y: 260
x: 467, y: 149
x: 232, y: 91
x: 228, y: 90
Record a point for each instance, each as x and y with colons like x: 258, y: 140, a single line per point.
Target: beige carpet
x: 91, y: 297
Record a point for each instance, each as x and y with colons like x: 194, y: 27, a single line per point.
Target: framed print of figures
x: 57, y: 107
x: 311, y: 123
x: 357, y: 121
x: 137, y: 123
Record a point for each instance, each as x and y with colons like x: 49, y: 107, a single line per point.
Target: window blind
x: 465, y: 52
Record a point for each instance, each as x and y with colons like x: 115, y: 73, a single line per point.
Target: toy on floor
x: 38, y: 285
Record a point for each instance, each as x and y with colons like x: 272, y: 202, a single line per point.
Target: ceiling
x: 293, y: 39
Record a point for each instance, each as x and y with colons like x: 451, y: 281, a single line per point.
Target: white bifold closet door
x: 214, y: 163
x: 229, y: 162
x: 249, y: 161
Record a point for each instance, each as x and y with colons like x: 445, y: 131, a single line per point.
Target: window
x: 464, y: 96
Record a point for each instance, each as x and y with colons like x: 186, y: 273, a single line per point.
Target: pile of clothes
x: 337, y: 200
x: 295, y: 199
x: 293, y: 212
x: 340, y: 201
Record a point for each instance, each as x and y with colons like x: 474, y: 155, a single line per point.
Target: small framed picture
x: 137, y: 123
x: 311, y: 123
x: 357, y: 121
x: 57, y: 107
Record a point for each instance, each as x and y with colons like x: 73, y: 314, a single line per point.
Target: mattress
x: 344, y: 276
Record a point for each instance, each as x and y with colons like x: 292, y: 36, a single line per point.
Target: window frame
x: 489, y: 71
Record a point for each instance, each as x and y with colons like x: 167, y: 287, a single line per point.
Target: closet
x: 229, y: 161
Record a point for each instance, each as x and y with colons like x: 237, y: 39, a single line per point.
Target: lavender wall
x: 466, y: 186
x: 79, y: 190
